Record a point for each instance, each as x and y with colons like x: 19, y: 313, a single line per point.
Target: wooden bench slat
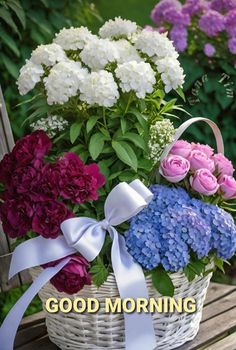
x: 28, y: 335
x: 228, y: 343
x: 216, y: 291
x: 220, y: 306
x: 39, y: 344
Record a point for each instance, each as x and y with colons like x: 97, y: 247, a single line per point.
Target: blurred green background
x: 24, y: 24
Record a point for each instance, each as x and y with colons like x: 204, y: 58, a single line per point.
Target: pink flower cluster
x: 207, y: 173
x: 36, y: 192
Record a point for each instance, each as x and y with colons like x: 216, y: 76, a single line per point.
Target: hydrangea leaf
x: 162, y: 282
x: 125, y: 153
x: 75, y: 131
x: 96, y: 145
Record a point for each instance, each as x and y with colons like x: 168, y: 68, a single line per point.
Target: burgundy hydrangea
x: 73, y: 277
x: 212, y: 23
x: 178, y: 35
x: 48, y: 217
x: 32, y: 148
x: 16, y: 216
x: 79, y: 182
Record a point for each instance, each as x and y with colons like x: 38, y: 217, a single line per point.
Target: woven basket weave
x: 106, y: 331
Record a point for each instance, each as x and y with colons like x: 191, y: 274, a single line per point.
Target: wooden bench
x: 218, y: 326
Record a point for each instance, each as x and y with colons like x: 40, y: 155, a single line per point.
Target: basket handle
x: 185, y: 125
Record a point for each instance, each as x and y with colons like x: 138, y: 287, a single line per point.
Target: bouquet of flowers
x: 198, y: 27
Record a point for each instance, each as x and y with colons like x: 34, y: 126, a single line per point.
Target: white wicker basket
x: 106, y: 331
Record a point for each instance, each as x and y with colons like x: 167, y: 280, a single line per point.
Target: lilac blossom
x: 209, y: 50
x: 212, y: 23
x: 178, y: 35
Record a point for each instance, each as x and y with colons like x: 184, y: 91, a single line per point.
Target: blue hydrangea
x: 174, y: 224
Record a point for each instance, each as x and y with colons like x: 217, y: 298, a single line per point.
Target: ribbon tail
x: 11, y: 323
x: 139, y: 330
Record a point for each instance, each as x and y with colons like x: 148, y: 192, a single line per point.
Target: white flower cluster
x: 98, y: 69
x: 117, y: 28
x: 52, y: 124
x: 138, y: 77
x: 161, y: 133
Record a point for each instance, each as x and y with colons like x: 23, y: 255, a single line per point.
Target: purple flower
x: 212, y: 23
x: 193, y: 7
x: 209, y: 50
x: 178, y: 35
x: 230, y: 23
x: 232, y: 45
x: 223, y: 5
x: 157, y: 14
x: 176, y: 17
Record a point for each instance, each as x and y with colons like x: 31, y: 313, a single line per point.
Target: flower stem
x: 104, y: 117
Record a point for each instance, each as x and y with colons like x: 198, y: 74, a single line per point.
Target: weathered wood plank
x: 216, y: 291
x: 213, y: 329
x: 228, y: 343
x: 39, y: 344
x: 7, y: 140
x: 30, y: 334
x: 31, y: 320
x: 220, y: 306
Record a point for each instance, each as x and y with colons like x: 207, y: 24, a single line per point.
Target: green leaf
x: 127, y: 176
x: 162, y: 282
x: 189, y: 273
x: 9, y: 42
x: 10, y: 66
x: 219, y: 263
x: 197, y: 266
x: 104, y: 168
x: 180, y: 92
x: 136, y: 139
x: 75, y: 131
x: 96, y: 145
x: 6, y: 16
x: 146, y: 164
x: 123, y: 124
x: 125, y: 153
x: 141, y: 118
x: 99, y: 272
x: 19, y: 11
x: 91, y: 123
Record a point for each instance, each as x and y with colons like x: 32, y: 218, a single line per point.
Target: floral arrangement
x: 188, y: 225
x: 207, y: 27
x: 39, y: 194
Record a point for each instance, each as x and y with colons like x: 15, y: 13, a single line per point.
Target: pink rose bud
x: 204, y: 182
x: 174, y: 168
x: 223, y: 165
x: 227, y: 187
x: 181, y: 148
x: 203, y: 148
x: 199, y: 160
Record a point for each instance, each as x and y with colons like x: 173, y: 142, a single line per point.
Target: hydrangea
x: 97, y: 53
x: 155, y: 44
x: 99, y: 88
x: 174, y: 224
x: 137, y: 77
x: 126, y: 51
x: 48, y: 54
x: 73, y: 38
x: 30, y: 75
x: 209, y: 50
x: 52, y: 124
x: 117, y: 28
x: 63, y: 81
x: 212, y: 23
x: 178, y: 35
x: 160, y: 134
x: 172, y: 73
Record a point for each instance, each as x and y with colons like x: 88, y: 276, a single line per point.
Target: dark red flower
x: 32, y: 148
x: 48, y: 217
x: 24, y: 179
x: 72, y: 278
x: 78, y: 182
x: 7, y: 166
x: 16, y: 216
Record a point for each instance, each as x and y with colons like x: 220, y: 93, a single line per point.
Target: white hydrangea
x: 160, y: 135
x: 99, y: 88
x: 52, y: 124
x: 126, y: 51
x: 30, y: 75
x: 136, y: 76
x: 98, y: 53
x: 172, y: 73
x: 48, y: 54
x: 155, y: 44
x: 73, y: 38
x: 63, y: 81
x: 117, y: 28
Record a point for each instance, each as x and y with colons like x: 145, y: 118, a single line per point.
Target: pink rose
x: 74, y: 275
x: 16, y: 216
x: 32, y: 148
x: 181, y: 148
x: 174, y: 168
x: 79, y: 182
x: 199, y: 160
x: 204, y: 182
x: 48, y: 217
x: 203, y: 148
x: 223, y: 165
x: 227, y: 187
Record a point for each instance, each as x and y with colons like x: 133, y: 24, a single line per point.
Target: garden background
x: 25, y: 24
